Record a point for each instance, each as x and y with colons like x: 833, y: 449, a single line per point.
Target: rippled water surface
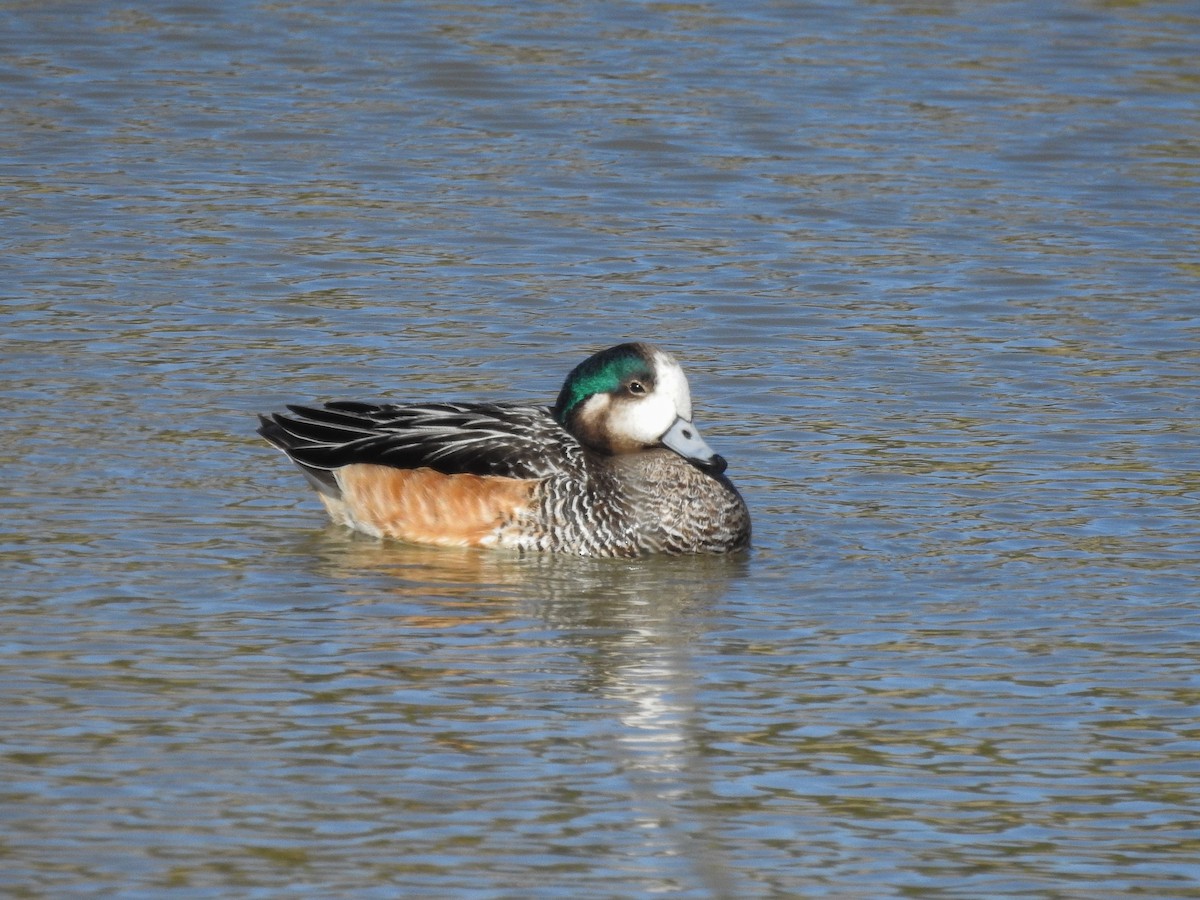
x: 932, y: 269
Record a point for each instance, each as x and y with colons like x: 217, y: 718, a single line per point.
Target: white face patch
x: 626, y: 421
x: 672, y: 383
x: 645, y: 420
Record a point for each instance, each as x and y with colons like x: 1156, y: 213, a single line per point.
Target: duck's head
x: 631, y: 398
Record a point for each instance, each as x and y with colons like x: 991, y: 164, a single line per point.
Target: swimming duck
x: 615, y: 468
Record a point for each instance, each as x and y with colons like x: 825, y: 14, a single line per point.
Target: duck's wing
x: 509, y: 439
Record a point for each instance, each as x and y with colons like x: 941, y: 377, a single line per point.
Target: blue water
x: 932, y: 273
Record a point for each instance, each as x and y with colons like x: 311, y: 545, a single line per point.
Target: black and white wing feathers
x: 509, y: 439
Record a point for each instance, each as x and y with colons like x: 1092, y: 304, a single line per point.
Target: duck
x: 615, y: 468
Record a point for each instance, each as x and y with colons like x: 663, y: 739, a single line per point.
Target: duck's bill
x: 684, y: 439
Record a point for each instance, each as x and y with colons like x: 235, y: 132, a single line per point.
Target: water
x: 933, y: 274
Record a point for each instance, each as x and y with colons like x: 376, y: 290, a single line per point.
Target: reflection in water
x: 662, y: 755
x: 564, y: 590
x: 641, y: 630
x: 632, y: 623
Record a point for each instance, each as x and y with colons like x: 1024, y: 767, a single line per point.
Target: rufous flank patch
x: 426, y: 507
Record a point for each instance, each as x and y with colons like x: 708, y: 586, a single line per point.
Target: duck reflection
x: 630, y: 636
x: 561, y: 591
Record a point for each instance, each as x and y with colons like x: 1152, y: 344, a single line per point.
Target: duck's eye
x: 636, y: 387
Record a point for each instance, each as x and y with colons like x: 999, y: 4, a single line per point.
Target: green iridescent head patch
x: 606, y: 371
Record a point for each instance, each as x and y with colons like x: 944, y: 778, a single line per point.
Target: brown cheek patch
x: 427, y: 507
